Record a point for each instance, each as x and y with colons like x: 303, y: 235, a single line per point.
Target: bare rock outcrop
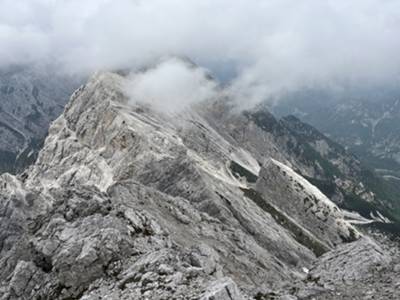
x: 125, y: 202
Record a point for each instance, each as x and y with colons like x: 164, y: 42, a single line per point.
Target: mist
x: 171, y: 86
x: 260, y: 49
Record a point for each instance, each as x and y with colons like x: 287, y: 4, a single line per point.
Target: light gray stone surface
x: 128, y: 203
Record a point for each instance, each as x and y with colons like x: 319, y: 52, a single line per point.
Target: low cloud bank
x: 259, y: 48
x: 171, y: 86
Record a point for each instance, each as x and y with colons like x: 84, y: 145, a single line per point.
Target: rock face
x: 224, y: 289
x: 128, y: 203
x: 367, y: 125
x: 30, y: 98
x: 357, y: 271
x: 349, y: 263
x: 311, y: 154
x: 304, y: 203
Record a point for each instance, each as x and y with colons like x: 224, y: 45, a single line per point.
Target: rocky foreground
x: 125, y: 202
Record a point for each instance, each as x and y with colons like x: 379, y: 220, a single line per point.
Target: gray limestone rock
x: 223, y: 289
x: 128, y: 203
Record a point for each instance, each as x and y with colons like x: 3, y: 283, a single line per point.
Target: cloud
x: 260, y: 47
x: 171, y: 86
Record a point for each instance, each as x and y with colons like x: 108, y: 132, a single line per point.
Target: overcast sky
x: 263, y: 46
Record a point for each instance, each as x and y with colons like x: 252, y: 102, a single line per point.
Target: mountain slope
x: 368, y: 129
x: 325, y: 163
x: 366, y: 124
x: 126, y: 202
x: 30, y: 98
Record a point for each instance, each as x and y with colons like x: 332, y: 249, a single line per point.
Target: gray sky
x: 264, y: 46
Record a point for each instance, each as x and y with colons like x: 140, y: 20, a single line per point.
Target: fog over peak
x: 262, y: 48
x: 171, y: 86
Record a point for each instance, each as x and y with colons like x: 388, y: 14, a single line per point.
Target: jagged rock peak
x: 125, y: 202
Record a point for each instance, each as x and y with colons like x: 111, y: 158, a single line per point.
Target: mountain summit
x: 125, y: 202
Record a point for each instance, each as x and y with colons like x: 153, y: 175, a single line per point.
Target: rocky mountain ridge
x: 126, y: 202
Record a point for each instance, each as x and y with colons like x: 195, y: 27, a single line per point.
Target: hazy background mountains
x: 199, y: 149
x: 365, y: 122
x: 354, y: 163
x: 30, y: 98
x: 333, y: 64
x: 126, y: 200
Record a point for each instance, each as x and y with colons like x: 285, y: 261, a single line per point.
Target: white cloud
x: 264, y: 46
x: 171, y: 86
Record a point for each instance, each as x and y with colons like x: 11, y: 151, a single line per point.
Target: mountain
x: 127, y: 202
x: 348, y: 182
x: 30, y: 98
x: 328, y: 165
x: 366, y: 124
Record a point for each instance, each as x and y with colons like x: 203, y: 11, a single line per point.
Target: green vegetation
x: 312, y: 156
x: 266, y: 121
x: 327, y: 187
x: 352, y: 202
x: 299, y: 141
x: 386, y: 191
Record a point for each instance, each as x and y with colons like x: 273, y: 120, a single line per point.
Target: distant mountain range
x: 127, y: 202
x: 367, y: 124
x: 30, y: 98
